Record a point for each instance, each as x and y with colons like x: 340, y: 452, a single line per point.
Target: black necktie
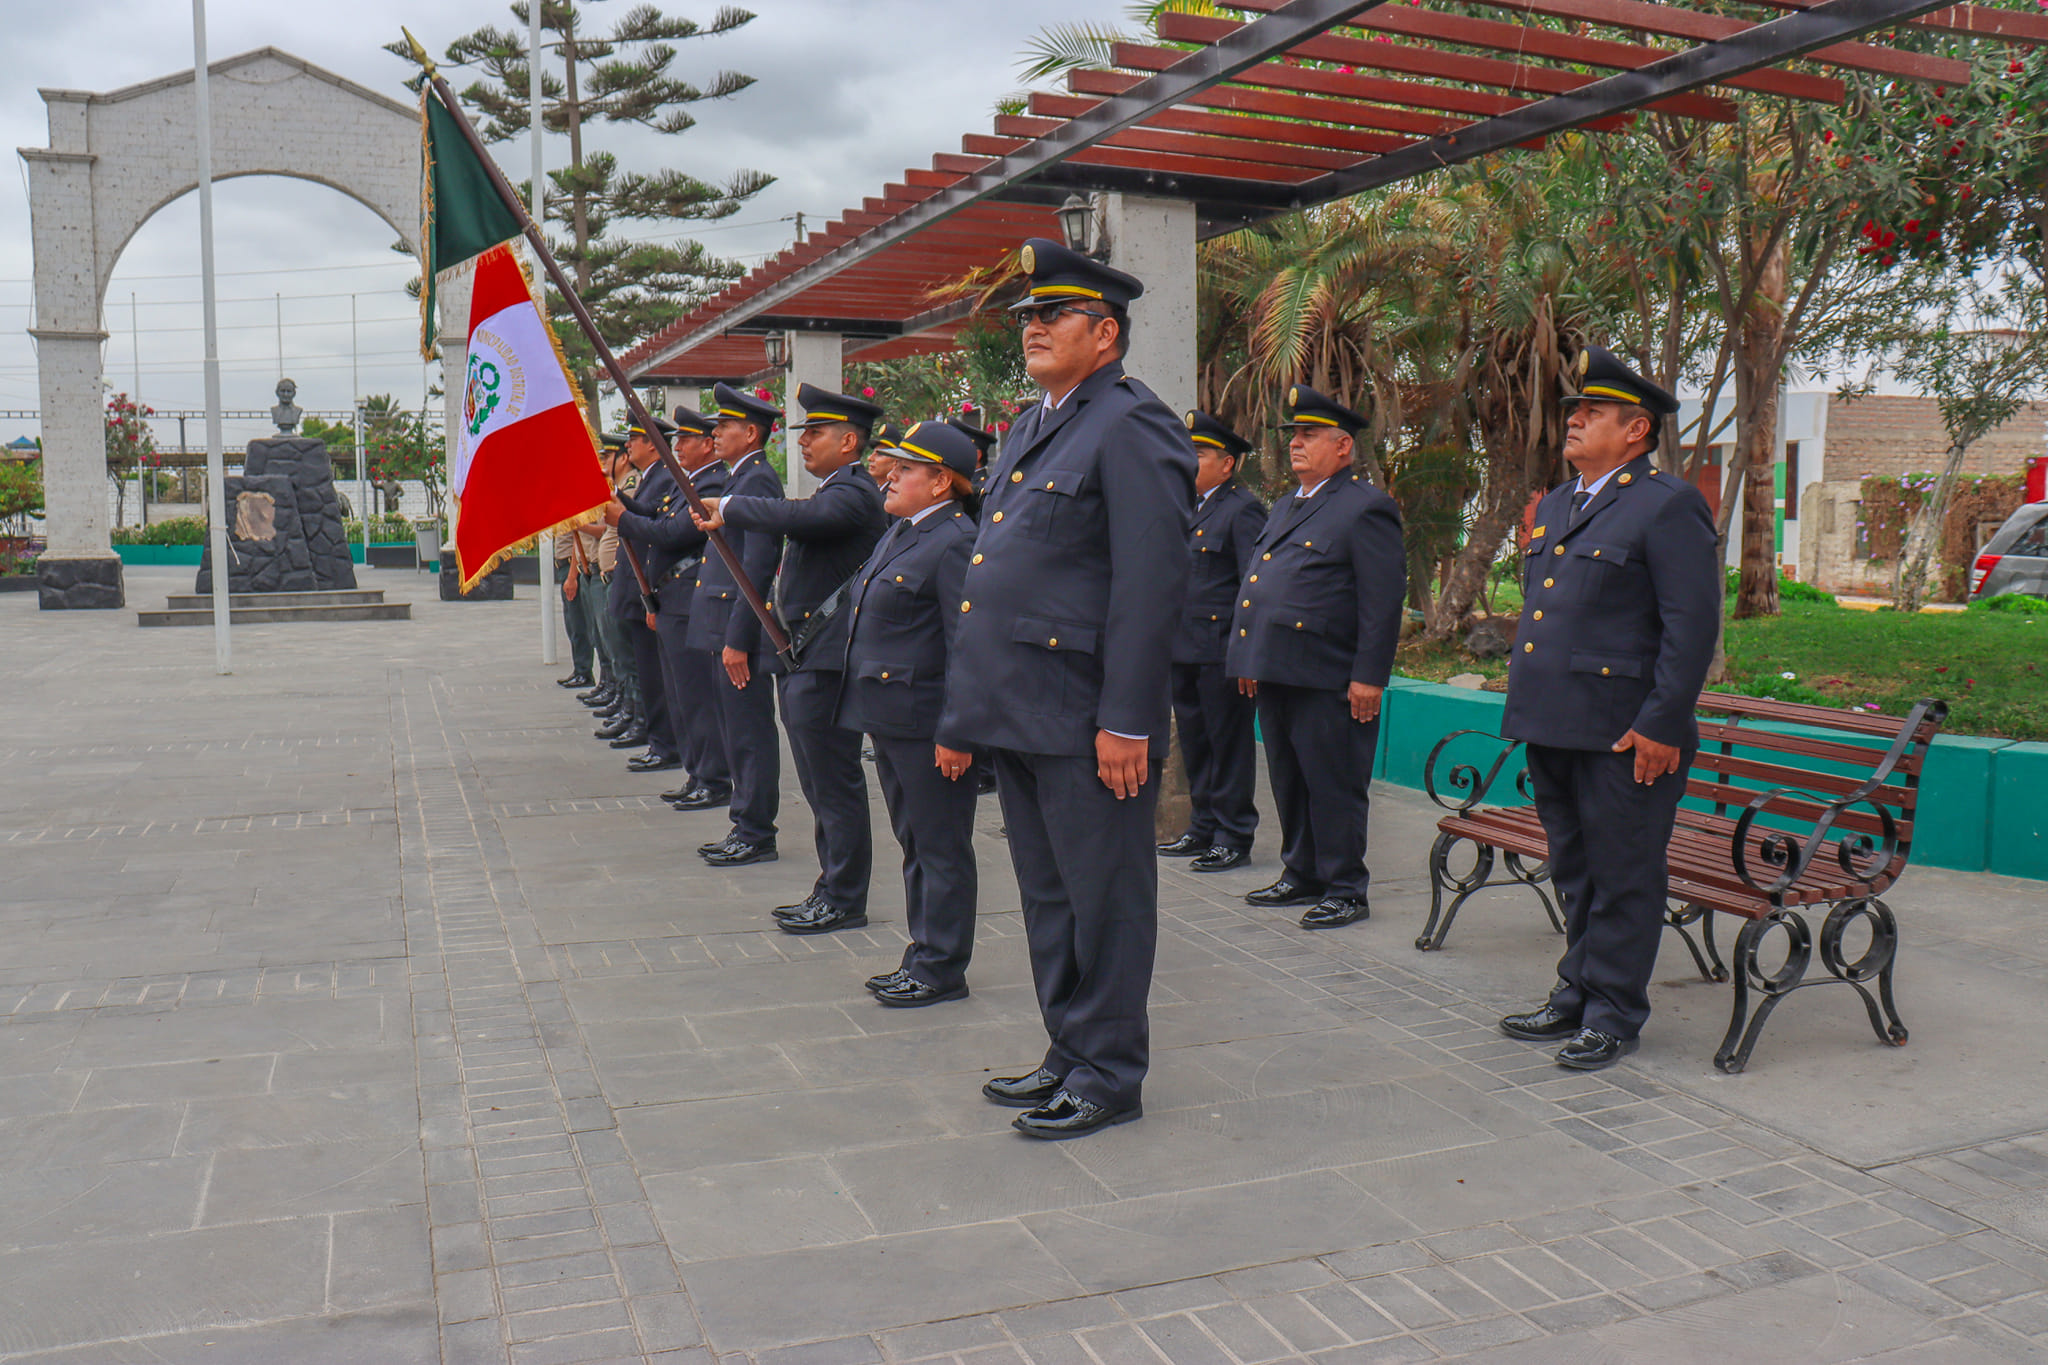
x: 1579, y: 501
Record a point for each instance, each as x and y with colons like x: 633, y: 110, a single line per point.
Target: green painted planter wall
x: 1983, y: 802
x: 189, y: 554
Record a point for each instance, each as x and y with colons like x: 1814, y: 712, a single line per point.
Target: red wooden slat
x: 1345, y: 113
x: 1151, y: 138
x: 1530, y: 41
x: 1424, y: 61
x: 1234, y: 125
x: 1976, y: 20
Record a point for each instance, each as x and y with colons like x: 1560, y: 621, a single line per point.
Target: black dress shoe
x: 1335, y: 911
x: 652, y: 762
x: 910, y: 993
x: 719, y: 845
x: 1067, y: 1115
x: 1545, y: 1025
x: 875, y: 983
x: 613, y: 728
x: 1221, y: 859
x: 820, y: 918
x: 679, y: 793
x: 575, y: 680
x: 1592, y: 1050
x: 701, y: 797
x: 1187, y: 846
x: 1024, y: 1092
x: 800, y: 909
x: 597, y: 696
x: 634, y: 736
x: 1284, y: 892
x: 739, y: 853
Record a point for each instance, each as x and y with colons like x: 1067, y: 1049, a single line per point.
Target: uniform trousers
x: 1088, y: 876
x: 835, y: 785
x: 934, y: 822
x: 1214, y: 721
x: 661, y: 737
x: 582, y: 643
x: 617, y: 649
x: 1320, y: 761
x: 753, y: 751
x: 1609, y: 838
x: 691, y: 679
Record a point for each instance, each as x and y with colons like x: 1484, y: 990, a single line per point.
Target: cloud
x: 846, y: 96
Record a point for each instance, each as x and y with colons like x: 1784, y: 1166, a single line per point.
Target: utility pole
x: 142, y: 474
x: 546, y: 576
x: 216, y: 474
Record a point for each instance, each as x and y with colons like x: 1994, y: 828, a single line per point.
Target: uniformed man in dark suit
x: 1213, y: 718
x: 1059, y: 674
x: 906, y: 605
x: 881, y: 461
x: 984, y: 444
x: 827, y: 537
x: 688, y: 676
x: 1313, y: 640
x: 1621, y: 588
x: 655, y: 493
x: 722, y: 624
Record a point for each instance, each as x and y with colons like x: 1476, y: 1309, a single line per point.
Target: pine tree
x: 632, y: 288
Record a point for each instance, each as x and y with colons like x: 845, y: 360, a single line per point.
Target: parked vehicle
x: 2016, y: 559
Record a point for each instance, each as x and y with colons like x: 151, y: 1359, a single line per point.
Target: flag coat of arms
x: 524, y: 458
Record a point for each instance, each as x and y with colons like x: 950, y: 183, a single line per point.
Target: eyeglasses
x: 1046, y: 314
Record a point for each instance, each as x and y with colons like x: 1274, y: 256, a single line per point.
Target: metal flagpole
x: 142, y: 474
x: 355, y: 390
x: 548, y: 595
x: 216, y: 473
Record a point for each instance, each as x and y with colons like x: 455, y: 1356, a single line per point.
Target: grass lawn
x: 1990, y: 667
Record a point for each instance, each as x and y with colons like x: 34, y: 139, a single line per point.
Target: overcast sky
x: 848, y: 93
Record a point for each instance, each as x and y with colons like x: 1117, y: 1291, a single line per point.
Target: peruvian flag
x: 525, y: 459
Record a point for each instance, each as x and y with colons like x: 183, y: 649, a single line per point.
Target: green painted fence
x: 189, y: 554
x: 1983, y: 802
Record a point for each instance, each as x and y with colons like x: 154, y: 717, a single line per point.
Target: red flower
x: 761, y: 394
x: 1827, y: 136
x: 1002, y: 426
x: 1912, y: 225
x: 2016, y: 67
x: 868, y: 392
x: 1945, y: 121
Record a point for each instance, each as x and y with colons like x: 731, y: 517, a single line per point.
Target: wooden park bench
x: 1788, y: 807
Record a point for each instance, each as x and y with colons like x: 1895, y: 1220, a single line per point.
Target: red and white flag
x: 525, y: 458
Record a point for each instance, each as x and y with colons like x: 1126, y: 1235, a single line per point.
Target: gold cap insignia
x: 1626, y: 479
x: 1028, y: 258
x: 1585, y: 362
x: 1293, y: 396
x: 1191, y: 421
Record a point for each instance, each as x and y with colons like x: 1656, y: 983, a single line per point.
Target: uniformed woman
x: 907, y: 604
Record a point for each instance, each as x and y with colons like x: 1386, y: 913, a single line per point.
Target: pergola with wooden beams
x: 1301, y: 103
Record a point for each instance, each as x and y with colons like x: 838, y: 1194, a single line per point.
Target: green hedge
x: 169, y: 531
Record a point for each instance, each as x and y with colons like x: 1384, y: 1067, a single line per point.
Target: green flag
x: 461, y: 212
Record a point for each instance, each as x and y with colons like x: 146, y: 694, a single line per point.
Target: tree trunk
x: 1909, y: 578
x: 1501, y: 502
x: 1759, y: 363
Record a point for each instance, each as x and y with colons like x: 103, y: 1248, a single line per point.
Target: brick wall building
x: 1905, y: 435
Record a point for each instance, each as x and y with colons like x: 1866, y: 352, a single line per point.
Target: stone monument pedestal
x: 84, y: 584
x: 284, y: 522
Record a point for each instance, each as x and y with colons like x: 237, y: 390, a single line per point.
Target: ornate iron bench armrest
x: 1466, y: 777
x: 1859, y: 855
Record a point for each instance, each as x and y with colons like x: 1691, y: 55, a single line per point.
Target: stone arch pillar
x: 116, y: 158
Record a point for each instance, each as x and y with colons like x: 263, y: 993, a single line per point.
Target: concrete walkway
x: 359, y: 1008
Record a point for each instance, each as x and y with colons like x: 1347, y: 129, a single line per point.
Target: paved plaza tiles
x: 359, y: 1008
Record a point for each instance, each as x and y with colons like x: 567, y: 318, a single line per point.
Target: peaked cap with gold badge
x: 1205, y: 430
x: 656, y: 423
x: 1307, y: 408
x: 734, y: 406
x: 1603, y: 378
x: 822, y: 408
x: 690, y: 422
x: 937, y: 443
x: 1059, y: 274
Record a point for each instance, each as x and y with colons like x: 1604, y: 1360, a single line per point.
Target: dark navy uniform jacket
x: 1619, y: 614
x: 905, y: 608
x: 828, y: 536
x: 658, y: 517
x: 719, y: 617
x: 1322, y: 597
x: 1078, y: 577
x: 622, y: 597
x: 1221, y: 545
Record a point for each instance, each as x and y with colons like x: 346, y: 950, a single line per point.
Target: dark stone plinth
x: 304, y: 461
x: 495, y: 586
x: 79, y: 584
x: 277, y: 562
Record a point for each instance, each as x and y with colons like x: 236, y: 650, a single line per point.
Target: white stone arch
x: 113, y: 161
